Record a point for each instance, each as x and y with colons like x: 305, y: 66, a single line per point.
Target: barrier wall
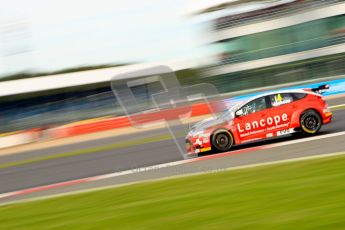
x: 140, y: 119
x: 19, y: 138
x: 336, y: 87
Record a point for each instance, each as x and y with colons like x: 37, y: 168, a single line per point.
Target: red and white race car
x: 263, y: 116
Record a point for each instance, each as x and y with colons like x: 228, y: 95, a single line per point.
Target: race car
x: 263, y: 116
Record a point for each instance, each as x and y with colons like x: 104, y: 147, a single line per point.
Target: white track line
x: 304, y: 140
x: 336, y: 106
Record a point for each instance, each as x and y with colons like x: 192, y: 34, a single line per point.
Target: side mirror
x: 239, y: 113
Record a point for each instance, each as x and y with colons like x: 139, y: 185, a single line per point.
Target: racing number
x: 282, y: 109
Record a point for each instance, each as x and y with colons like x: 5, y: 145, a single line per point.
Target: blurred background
x: 57, y: 57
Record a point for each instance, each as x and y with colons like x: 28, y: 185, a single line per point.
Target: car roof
x: 272, y: 92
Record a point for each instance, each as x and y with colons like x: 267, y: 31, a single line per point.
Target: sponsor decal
x: 206, y: 140
x: 269, y: 124
x: 197, y: 142
x: 284, y: 132
x: 263, y: 123
x: 203, y: 139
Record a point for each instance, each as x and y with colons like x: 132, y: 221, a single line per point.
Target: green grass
x: 301, y: 195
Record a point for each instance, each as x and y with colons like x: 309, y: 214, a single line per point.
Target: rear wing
x: 321, y: 89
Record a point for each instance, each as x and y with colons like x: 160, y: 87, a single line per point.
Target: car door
x: 250, y: 120
x: 281, y: 111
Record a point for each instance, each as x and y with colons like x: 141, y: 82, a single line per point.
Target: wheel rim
x: 222, y: 140
x: 311, y: 122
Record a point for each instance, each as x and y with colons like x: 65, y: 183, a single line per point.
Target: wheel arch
x: 304, y: 111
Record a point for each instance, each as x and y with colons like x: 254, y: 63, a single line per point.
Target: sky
x: 48, y: 35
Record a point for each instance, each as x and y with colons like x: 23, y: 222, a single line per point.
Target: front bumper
x: 327, y: 117
x: 193, y: 149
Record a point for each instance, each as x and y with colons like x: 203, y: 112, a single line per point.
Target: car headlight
x: 326, y: 110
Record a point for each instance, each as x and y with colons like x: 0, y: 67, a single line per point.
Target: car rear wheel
x: 311, y: 122
x: 222, y: 141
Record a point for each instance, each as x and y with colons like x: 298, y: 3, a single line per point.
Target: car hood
x: 210, y: 122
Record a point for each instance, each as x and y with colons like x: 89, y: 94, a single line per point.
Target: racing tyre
x: 222, y: 140
x: 311, y: 122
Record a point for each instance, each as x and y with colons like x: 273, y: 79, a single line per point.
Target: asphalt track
x: 120, y: 158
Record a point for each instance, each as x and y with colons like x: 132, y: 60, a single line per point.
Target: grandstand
x: 276, y: 42
x: 54, y: 100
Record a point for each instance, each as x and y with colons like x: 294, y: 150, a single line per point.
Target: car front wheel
x: 222, y: 140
